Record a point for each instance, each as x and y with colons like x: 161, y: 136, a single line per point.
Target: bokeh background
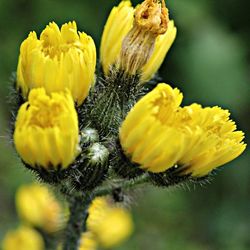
x: 210, y: 63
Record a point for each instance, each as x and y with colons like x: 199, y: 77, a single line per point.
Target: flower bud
x: 110, y: 224
x: 88, y: 136
x: 65, y: 58
x: 24, y: 238
x: 37, y: 206
x: 88, y: 242
x: 92, y: 167
x: 46, y: 131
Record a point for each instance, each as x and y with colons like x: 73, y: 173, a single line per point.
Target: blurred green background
x: 210, y: 63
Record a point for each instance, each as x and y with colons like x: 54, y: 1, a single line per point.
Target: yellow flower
x: 59, y: 59
x: 37, y: 206
x: 88, y: 242
x: 46, y: 130
x: 24, y: 238
x: 158, y: 134
x: 118, y: 25
x: 110, y: 224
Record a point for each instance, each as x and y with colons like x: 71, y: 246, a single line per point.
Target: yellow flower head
x: 59, y: 59
x: 46, y: 130
x: 88, y: 242
x: 121, y: 21
x: 37, y: 206
x: 158, y: 134
x: 24, y: 238
x: 110, y: 224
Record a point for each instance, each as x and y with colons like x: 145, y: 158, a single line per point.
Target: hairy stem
x: 77, y: 221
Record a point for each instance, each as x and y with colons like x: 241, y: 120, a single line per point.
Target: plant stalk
x: 77, y: 221
x: 123, y: 185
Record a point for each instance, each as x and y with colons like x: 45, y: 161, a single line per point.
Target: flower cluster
x: 92, y: 131
x: 62, y: 125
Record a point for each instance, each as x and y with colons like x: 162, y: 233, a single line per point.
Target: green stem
x: 123, y: 185
x: 77, y: 221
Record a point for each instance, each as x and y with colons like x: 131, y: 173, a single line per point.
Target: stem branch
x: 123, y: 185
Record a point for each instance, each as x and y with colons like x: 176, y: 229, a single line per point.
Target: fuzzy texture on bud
x: 110, y: 224
x: 59, y: 59
x: 37, y: 206
x: 150, y: 33
x: 46, y: 131
x: 158, y: 134
x: 24, y: 238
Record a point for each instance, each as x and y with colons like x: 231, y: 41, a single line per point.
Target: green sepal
x: 123, y: 166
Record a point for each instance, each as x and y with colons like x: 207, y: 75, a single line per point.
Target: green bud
x: 92, y: 167
x: 89, y: 135
x: 97, y: 154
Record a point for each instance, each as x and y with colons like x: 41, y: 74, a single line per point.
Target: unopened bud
x: 89, y: 135
x: 97, y: 154
x: 92, y: 168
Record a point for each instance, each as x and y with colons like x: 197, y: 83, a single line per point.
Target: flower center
x: 164, y: 109
x: 56, y: 42
x: 45, y: 116
x: 152, y: 16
